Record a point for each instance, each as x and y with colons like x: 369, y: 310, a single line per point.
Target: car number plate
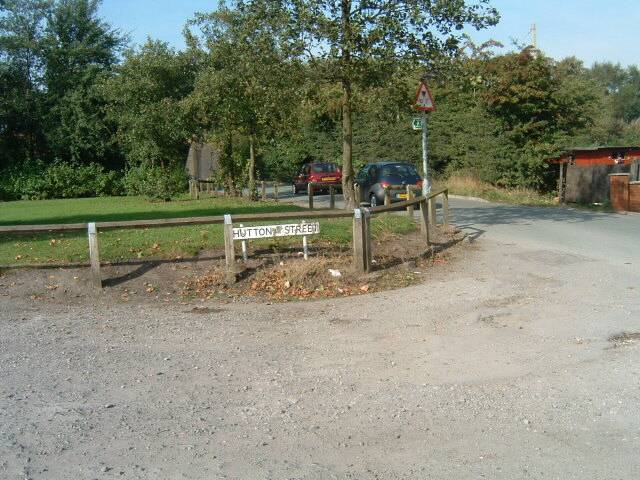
x: 402, y: 195
x: 328, y: 179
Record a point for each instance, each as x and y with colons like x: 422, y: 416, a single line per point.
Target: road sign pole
x: 426, y: 185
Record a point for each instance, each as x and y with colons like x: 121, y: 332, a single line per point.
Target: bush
x: 155, y: 182
x: 37, y: 181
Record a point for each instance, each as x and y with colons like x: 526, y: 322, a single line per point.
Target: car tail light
x: 419, y: 184
x: 385, y: 184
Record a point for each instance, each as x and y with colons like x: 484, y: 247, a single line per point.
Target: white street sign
x: 272, y: 231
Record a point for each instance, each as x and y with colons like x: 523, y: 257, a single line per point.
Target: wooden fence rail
x: 361, y: 228
x: 196, y: 187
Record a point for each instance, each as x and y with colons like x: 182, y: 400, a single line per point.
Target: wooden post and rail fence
x: 196, y: 187
x: 361, y: 228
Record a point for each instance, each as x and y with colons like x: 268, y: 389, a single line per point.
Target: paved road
x: 518, y: 359
x: 611, y: 237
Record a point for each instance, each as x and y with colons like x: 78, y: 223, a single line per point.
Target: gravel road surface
x: 518, y: 359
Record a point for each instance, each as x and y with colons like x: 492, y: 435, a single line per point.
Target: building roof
x: 603, y: 147
x: 574, y: 150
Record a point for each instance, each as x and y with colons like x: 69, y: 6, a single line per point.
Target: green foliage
x: 362, y: 44
x: 275, y: 84
x: 79, y: 49
x: 52, y: 54
x: 154, y: 181
x: 145, y: 102
x: 37, y: 181
x: 248, y: 86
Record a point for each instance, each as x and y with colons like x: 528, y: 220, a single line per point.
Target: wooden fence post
x: 424, y: 221
x: 432, y: 211
x: 264, y: 191
x: 410, y: 196
x: 387, y: 196
x: 275, y: 191
x: 332, y: 197
x: 310, y: 194
x: 357, y: 193
x: 359, y: 246
x: 94, y: 256
x: 445, y: 208
x: 229, y: 251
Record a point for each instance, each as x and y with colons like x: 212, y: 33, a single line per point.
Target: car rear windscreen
x: 324, y: 168
x: 399, y: 170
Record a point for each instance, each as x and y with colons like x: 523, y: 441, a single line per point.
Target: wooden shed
x: 583, y: 175
x: 203, y: 161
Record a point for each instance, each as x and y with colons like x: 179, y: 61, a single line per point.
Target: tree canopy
x: 275, y: 84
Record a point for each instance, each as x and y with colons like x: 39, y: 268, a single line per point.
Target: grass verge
x: 472, y: 187
x: 155, y: 243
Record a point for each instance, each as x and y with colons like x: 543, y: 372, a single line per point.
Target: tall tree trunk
x: 226, y: 164
x: 253, y: 192
x: 347, y: 123
x: 347, y: 147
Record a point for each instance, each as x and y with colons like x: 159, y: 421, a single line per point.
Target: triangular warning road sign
x: 424, y: 99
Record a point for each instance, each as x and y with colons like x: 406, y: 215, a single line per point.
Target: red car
x: 325, y: 174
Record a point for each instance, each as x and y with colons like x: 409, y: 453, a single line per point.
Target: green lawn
x: 168, y: 242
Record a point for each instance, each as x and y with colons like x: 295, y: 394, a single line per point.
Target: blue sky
x: 592, y: 30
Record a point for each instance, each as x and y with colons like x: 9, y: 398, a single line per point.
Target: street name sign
x: 272, y: 231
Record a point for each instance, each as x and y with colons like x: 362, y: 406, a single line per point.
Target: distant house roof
x: 605, y: 147
x: 594, y: 154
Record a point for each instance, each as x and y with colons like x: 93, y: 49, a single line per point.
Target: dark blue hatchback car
x: 375, y: 177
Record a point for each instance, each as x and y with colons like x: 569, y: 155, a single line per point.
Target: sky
x: 592, y: 30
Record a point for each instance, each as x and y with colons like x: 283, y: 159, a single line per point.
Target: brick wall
x: 634, y: 196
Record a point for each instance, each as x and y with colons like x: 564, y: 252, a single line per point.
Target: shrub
x: 37, y: 181
x: 155, y: 182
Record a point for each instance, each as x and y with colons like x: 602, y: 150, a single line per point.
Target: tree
x: 22, y: 24
x: 145, y: 100
x: 359, y: 41
x: 542, y: 106
x: 248, y: 85
x: 78, y: 49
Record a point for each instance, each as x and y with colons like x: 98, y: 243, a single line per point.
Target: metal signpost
x: 424, y: 102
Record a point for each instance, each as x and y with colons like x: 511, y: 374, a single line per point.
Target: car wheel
x: 373, y: 200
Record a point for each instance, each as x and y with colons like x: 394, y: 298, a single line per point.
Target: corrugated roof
x: 603, y: 147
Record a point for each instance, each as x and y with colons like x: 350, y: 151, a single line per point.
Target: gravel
x: 394, y: 385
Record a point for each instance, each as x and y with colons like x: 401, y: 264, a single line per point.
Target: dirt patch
x: 399, y: 261
x: 624, y: 339
x: 269, y: 275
